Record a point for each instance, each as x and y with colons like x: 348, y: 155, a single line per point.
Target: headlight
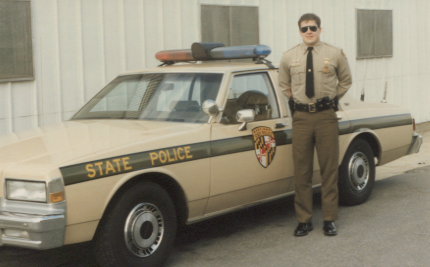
x: 26, y: 190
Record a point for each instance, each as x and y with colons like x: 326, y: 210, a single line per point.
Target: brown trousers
x: 318, y: 130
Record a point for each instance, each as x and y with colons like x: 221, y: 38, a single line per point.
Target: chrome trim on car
x: 211, y: 108
x: 362, y: 130
x: 244, y: 116
x: 249, y: 205
x: 32, y: 225
x: 358, y: 171
x: 416, y: 143
x: 144, y: 230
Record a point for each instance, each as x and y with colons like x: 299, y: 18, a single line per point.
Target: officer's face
x: 310, y: 38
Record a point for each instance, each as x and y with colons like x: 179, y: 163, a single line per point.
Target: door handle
x: 280, y: 125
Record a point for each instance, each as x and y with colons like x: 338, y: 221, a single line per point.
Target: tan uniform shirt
x: 332, y: 76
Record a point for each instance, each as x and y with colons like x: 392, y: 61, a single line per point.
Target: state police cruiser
x: 314, y: 74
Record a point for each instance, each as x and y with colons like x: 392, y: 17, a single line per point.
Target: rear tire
x: 138, y: 230
x: 356, y: 174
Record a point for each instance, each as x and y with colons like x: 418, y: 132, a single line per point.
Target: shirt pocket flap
x: 327, y: 68
x: 296, y: 69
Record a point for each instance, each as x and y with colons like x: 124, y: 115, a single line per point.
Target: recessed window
x: 16, y: 54
x: 374, y: 33
x: 231, y: 25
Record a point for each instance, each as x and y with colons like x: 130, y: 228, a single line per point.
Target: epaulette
x: 336, y: 48
x: 291, y: 48
x: 332, y: 46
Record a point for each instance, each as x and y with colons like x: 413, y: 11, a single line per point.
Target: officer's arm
x: 285, y: 78
x: 343, y: 75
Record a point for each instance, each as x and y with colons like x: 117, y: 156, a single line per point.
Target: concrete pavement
x: 391, y: 229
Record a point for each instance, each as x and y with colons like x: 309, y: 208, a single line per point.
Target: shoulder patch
x: 343, y: 54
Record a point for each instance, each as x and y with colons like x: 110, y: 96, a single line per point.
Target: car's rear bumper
x: 416, y: 143
x: 29, y: 226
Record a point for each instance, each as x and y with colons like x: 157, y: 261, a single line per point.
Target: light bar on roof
x: 213, y: 51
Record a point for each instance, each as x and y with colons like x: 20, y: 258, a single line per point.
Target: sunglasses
x: 305, y: 29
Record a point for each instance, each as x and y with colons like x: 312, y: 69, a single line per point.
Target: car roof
x: 203, y: 67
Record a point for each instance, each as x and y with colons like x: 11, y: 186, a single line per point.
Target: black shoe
x: 329, y: 228
x: 303, y: 229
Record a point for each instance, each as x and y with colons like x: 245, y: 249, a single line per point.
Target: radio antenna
x: 384, y: 99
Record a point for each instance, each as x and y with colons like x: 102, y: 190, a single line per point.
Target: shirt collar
x: 317, y: 47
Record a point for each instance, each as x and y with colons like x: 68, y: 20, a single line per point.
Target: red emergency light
x: 175, y: 55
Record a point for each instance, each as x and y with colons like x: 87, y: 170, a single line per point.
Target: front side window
x: 251, y: 91
x: 161, y: 97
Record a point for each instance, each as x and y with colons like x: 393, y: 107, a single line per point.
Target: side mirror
x: 210, y: 107
x: 245, y: 116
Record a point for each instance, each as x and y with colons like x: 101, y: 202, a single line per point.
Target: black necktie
x: 309, y: 75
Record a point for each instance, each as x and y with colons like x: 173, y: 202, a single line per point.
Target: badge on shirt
x: 326, y: 63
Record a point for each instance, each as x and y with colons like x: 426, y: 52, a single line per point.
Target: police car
x: 194, y: 138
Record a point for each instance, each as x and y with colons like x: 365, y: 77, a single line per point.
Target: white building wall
x: 80, y: 45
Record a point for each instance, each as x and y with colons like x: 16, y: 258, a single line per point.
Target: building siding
x: 80, y: 45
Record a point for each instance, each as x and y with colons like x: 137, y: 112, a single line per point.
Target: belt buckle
x: 312, y: 108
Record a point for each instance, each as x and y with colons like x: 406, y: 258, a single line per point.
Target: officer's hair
x: 310, y: 16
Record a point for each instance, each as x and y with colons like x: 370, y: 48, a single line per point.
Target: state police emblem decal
x: 265, y: 145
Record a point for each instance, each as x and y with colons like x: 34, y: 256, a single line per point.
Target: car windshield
x: 161, y: 97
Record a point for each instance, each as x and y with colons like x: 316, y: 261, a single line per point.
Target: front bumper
x: 32, y: 225
x: 416, y: 143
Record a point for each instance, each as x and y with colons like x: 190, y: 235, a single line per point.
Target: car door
x: 255, y: 163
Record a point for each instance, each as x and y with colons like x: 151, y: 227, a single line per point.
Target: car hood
x: 47, y: 148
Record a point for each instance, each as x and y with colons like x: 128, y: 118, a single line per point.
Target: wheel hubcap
x: 358, y: 171
x: 144, y: 230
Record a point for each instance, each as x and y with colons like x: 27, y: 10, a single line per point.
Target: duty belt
x: 314, y: 107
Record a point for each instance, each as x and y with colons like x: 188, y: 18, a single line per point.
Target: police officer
x: 314, y: 75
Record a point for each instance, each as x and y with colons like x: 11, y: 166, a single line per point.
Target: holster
x: 327, y: 103
x: 291, y: 105
x: 336, y: 103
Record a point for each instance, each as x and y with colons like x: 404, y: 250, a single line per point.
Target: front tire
x: 139, y: 229
x: 356, y: 174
